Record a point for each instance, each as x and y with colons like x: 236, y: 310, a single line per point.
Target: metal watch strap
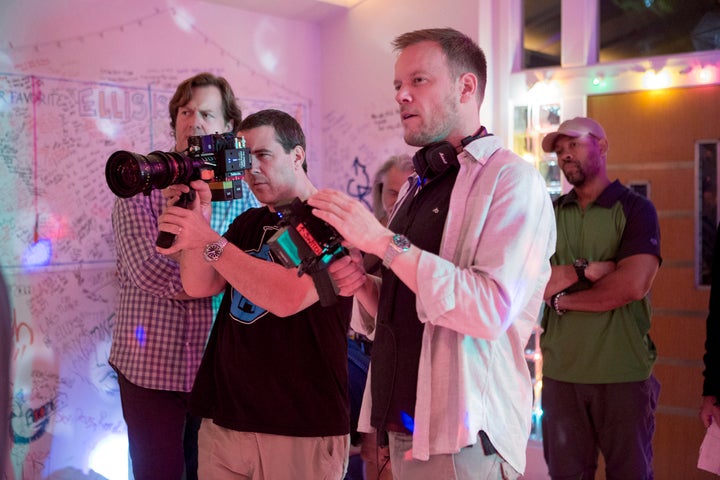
x: 398, y: 244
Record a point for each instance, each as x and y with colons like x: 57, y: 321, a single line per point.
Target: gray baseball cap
x: 573, y: 128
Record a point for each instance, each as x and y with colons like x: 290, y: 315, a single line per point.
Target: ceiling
x: 629, y: 28
x: 303, y: 10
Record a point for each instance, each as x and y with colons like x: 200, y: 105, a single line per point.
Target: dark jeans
x: 617, y: 419
x: 358, y: 364
x: 162, y: 435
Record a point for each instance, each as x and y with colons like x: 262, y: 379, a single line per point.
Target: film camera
x: 220, y: 159
x: 306, y: 242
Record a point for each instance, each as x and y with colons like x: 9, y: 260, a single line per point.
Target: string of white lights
x: 138, y: 22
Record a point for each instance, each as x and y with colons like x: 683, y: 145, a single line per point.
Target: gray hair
x: 401, y: 162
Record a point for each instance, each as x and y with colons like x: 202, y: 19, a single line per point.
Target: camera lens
x: 124, y: 175
x: 129, y: 173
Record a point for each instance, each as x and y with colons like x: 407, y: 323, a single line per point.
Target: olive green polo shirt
x: 612, y: 346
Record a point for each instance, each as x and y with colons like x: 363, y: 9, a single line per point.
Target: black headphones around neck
x: 434, y: 158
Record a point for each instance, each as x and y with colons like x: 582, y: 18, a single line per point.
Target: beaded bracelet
x: 554, y: 302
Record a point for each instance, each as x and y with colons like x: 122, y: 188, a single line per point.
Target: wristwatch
x: 213, y: 250
x: 399, y: 244
x: 580, y: 265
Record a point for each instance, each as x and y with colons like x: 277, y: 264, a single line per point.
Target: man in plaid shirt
x: 160, y: 332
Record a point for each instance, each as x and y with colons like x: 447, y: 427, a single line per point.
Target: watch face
x: 214, y: 250
x: 401, y: 242
x: 397, y: 245
x: 580, y: 263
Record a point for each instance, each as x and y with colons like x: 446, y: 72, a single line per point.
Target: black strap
x: 325, y: 287
x: 487, y: 445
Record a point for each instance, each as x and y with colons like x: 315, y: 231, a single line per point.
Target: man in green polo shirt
x: 599, y: 393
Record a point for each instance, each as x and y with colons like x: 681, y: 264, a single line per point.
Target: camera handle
x: 166, y: 239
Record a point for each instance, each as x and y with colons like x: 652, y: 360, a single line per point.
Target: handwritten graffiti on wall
x: 56, y: 135
x: 359, y: 185
x: 64, y: 393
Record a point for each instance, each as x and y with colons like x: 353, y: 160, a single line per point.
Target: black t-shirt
x: 262, y: 373
x: 398, y: 337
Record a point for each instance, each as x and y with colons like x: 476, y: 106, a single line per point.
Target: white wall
x: 158, y: 43
x: 361, y: 123
x: 80, y: 79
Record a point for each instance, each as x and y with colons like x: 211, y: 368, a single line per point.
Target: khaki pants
x: 228, y: 454
x: 470, y: 463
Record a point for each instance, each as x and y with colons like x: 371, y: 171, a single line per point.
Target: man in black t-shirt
x: 272, y: 385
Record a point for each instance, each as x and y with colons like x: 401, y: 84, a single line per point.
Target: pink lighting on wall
x: 343, y: 3
x: 183, y: 19
x: 38, y: 254
x: 109, y: 457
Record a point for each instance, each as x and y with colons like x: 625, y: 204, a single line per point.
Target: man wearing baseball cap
x: 599, y: 393
x: 577, y: 127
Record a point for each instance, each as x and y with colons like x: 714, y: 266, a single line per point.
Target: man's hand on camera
x: 353, y: 221
x: 348, y: 273
x: 173, y: 192
x: 191, y: 226
x: 203, y: 196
